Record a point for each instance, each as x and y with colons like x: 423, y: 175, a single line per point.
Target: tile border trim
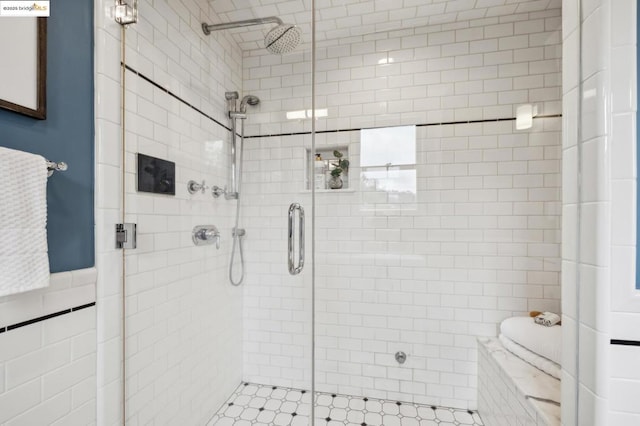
x: 45, y: 317
x: 356, y: 129
x: 173, y: 95
x: 625, y: 342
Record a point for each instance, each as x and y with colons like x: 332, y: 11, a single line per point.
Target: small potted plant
x: 338, y: 166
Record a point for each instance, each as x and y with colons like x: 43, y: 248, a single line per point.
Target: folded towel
x: 24, y: 264
x: 547, y: 319
x: 545, y: 341
x: 540, y: 362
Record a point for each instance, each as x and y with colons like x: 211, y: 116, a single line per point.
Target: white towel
x: 547, y: 319
x: 540, y: 362
x: 545, y: 341
x: 24, y: 263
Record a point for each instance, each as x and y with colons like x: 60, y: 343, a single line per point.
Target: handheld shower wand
x: 238, y: 233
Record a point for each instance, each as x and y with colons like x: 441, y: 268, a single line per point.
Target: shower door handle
x: 293, y: 269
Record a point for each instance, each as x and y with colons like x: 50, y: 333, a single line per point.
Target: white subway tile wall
x: 424, y: 272
x: 505, y: 396
x: 429, y: 272
x: 183, y: 319
x: 47, y: 371
x: 600, y: 168
x: 570, y: 122
x: 464, y: 70
x: 456, y: 71
x: 622, y: 185
x: 425, y: 276
x: 36, y: 358
x: 66, y: 290
x: 109, y: 373
x: 594, y: 260
x: 277, y: 306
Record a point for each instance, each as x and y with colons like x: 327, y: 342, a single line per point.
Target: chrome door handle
x: 293, y: 269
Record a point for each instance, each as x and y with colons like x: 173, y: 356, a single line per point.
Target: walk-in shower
x: 281, y: 39
x: 448, y: 220
x: 237, y: 112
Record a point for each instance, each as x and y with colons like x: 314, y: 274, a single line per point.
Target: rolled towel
x: 547, y: 319
x: 551, y: 319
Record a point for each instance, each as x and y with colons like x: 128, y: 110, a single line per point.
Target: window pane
x: 388, y: 146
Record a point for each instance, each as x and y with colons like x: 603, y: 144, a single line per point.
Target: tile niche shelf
x: 329, y: 161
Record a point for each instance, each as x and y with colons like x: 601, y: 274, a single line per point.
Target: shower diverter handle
x: 206, y: 235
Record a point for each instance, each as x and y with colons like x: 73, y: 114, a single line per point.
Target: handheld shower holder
x: 236, y: 114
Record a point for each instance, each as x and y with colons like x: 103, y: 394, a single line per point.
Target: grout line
x: 45, y: 317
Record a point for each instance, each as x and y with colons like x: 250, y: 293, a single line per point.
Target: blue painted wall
x: 66, y: 135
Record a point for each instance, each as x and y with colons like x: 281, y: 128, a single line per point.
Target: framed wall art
x: 23, y: 69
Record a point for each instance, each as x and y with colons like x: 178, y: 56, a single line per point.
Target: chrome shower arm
x: 206, y: 28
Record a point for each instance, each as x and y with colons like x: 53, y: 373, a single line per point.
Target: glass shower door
x: 449, y: 218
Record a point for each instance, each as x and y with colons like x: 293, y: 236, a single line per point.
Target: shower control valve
x: 205, y: 235
x: 193, y: 187
x: 216, y: 191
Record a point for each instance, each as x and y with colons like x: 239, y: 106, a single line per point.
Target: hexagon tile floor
x: 259, y: 405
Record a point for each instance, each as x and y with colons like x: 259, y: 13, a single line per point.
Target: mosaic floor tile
x: 255, y: 405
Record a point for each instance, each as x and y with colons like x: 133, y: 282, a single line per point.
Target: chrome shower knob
x: 193, y: 187
x: 205, y: 235
x: 216, y: 191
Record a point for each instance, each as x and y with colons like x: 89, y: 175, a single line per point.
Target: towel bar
x: 52, y: 166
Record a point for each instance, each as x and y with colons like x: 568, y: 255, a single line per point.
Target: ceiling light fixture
x: 125, y: 12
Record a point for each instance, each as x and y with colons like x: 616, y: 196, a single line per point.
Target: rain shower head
x: 282, y: 39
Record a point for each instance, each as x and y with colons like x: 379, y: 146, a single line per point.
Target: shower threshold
x: 254, y: 405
